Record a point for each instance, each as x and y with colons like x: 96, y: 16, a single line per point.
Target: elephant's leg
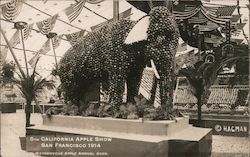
x: 116, y: 90
x: 166, y: 83
x: 133, y: 84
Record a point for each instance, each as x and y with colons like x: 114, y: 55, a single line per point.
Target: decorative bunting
x: 12, y: 9
x: 56, y: 41
x: 27, y: 30
x: 74, y: 10
x: 124, y: 15
x: 47, y: 25
x: 94, y: 1
x: 74, y: 37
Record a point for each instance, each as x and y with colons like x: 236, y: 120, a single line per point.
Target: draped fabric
x: 47, y: 25
x: 12, y: 9
x: 27, y: 30
x: 74, y: 10
x: 218, y: 15
x: 74, y: 37
x: 94, y: 1
x: 185, y: 14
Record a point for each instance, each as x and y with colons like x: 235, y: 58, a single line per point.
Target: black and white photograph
x: 124, y: 78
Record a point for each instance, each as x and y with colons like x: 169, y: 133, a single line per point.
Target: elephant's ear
x: 139, y: 31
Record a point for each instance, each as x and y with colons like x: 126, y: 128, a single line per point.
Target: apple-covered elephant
x: 118, y: 52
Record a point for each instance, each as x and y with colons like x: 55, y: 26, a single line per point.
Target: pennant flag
x: 27, y: 30
x: 45, y: 48
x: 56, y: 41
x: 33, y: 60
x: 15, y: 39
x: 47, y: 25
x: 74, y: 10
x: 74, y: 37
x: 124, y: 15
x: 94, y: 1
x: 12, y: 9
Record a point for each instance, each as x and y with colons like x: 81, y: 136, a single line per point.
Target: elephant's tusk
x: 154, y: 69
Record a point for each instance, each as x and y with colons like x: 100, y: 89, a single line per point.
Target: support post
x: 12, y: 52
x: 115, y: 10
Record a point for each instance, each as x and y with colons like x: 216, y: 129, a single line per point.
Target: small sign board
x: 231, y: 128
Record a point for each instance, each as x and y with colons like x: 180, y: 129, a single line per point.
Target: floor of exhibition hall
x: 222, y: 146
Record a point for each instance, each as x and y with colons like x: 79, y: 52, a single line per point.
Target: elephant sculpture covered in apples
x: 118, y: 52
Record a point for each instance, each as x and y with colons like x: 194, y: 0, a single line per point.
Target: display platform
x: 93, y: 136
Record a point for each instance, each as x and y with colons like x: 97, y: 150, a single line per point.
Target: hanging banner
x: 74, y: 10
x: 47, y: 25
x: 11, y: 9
x: 27, y: 30
x: 124, y: 15
x: 74, y: 37
x: 56, y: 41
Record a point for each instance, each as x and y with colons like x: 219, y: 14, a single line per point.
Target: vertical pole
x: 24, y: 52
x: 54, y: 52
x: 115, y: 10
